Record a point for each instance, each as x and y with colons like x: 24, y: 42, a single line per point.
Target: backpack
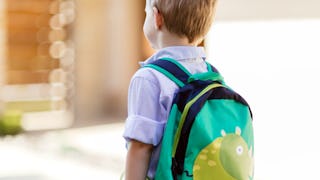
x: 209, y: 133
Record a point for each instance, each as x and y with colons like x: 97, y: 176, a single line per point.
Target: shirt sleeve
x: 145, y: 114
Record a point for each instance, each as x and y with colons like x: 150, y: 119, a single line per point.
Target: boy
x: 174, y: 28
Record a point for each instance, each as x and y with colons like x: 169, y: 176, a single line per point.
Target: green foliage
x: 10, y: 122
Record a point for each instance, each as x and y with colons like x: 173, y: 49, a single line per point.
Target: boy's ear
x: 158, y: 19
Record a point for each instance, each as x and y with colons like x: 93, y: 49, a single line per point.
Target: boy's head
x: 185, y: 18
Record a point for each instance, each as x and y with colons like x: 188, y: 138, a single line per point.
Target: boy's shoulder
x: 145, y: 73
x: 145, y: 76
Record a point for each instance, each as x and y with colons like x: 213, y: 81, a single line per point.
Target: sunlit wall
x: 274, y: 64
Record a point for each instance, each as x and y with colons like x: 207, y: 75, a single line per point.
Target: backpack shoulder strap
x: 172, y: 69
x: 180, y: 75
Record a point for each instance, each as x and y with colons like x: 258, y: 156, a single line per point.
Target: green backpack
x: 209, y: 132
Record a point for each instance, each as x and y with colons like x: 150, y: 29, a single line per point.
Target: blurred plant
x: 10, y: 122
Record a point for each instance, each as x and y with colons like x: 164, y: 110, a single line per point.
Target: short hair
x: 190, y: 18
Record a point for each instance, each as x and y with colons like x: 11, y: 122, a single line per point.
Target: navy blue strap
x: 173, y: 68
x: 211, y: 68
x: 175, y: 71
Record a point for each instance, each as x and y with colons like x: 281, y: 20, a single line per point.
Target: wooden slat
x: 27, y: 20
x: 31, y: 6
x: 22, y: 52
x: 34, y: 64
x: 28, y: 106
x: 24, y: 36
x: 28, y: 77
x: 47, y: 120
x: 35, y: 106
x: 28, y: 51
x: 25, y: 92
x: 32, y: 92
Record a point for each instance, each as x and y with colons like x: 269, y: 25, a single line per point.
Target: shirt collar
x: 178, y: 53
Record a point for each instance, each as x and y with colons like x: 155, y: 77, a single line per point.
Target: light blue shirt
x: 150, y: 97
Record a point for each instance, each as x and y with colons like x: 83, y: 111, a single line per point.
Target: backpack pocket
x: 226, y: 158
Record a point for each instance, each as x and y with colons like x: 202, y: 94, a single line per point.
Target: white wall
x: 267, y: 9
x: 275, y: 65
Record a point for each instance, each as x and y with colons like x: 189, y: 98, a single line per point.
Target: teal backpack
x: 209, y: 134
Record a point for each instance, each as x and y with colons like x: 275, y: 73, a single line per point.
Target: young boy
x: 174, y: 28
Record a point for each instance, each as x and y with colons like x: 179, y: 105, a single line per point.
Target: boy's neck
x: 166, y: 39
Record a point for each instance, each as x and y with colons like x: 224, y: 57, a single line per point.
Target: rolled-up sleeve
x: 143, y: 129
x: 145, y: 114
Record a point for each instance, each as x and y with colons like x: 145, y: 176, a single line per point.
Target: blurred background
x: 65, y: 67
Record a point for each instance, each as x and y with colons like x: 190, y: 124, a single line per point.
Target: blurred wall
x: 267, y: 9
x: 124, y: 49
x: 108, y: 35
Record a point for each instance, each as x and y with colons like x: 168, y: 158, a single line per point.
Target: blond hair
x: 190, y: 18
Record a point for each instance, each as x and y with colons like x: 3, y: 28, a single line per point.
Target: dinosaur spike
x: 223, y: 132
x: 250, y: 152
x: 238, y: 131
